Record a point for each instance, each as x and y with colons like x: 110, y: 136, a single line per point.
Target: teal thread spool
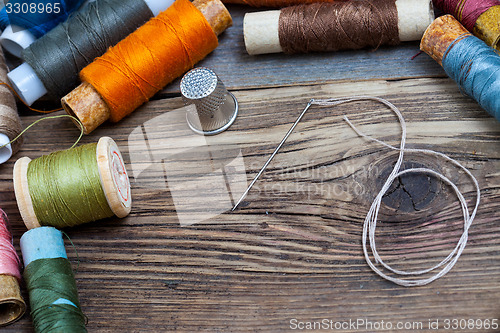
x: 473, y: 65
x: 72, y: 187
x: 51, y: 284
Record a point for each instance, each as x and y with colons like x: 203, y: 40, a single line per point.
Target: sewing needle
x: 274, y: 153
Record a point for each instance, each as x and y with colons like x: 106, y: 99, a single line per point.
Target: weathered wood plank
x: 293, y: 249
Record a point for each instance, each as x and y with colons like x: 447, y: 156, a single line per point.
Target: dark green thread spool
x: 54, y: 302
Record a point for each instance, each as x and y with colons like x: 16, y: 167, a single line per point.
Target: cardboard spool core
x: 439, y: 35
x: 12, y: 305
x: 112, y: 173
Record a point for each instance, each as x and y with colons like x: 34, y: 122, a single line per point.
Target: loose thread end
x: 22, y: 100
x: 45, y: 118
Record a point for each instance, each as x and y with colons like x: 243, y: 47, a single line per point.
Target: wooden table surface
x: 292, y: 253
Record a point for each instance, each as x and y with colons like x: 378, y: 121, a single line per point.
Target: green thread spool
x: 48, y: 280
x: 54, y: 302
x: 72, y: 187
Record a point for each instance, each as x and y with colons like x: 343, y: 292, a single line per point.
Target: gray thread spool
x: 215, y: 108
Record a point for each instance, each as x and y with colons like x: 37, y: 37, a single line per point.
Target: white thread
x: 370, y: 222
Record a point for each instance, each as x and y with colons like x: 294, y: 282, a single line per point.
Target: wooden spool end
x: 261, y: 32
x: 22, y: 192
x: 439, y: 35
x: 12, y: 305
x: 216, y: 14
x: 85, y: 103
x: 114, y: 177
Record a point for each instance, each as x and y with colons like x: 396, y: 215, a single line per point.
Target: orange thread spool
x: 132, y: 71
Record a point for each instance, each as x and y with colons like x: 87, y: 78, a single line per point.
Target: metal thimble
x: 215, y: 108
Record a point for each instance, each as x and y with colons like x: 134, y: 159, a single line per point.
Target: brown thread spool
x: 336, y: 26
x: 274, y: 3
x: 10, y: 124
x: 89, y: 107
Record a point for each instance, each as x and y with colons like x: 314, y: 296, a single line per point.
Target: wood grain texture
x: 293, y: 249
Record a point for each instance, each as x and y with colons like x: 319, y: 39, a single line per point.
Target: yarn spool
x: 53, y: 62
x: 72, y: 187
x: 135, y: 69
x: 342, y: 25
x: 466, y: 59
x: 481, y: 17
x: 12, y: 306
x: 27, y: 25
x: 10, y: 124
x: 50, y: 282
x: 273, y: 3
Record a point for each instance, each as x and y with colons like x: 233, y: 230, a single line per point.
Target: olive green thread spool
x: 112, y: 176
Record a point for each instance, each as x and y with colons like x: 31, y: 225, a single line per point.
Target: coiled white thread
x: 370, y: 222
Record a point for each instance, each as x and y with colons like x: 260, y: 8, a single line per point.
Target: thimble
x: 215, y: 108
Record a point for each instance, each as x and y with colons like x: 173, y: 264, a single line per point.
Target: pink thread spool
x: 12, y: 305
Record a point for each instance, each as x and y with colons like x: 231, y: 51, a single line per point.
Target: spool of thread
x: 54, y: 61
x: 73, y: 186
x: 10, y: 124
x: 135, y: 69
x: 467, y: 60
x: 274, y: 3
x: 12, y: 306
x: 29, y: 20
x: 481, y: 17
x: 50, y: 282
x: 342, y: 25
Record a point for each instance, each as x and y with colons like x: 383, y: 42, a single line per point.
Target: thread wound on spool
x: 71, y: 187
x: 10, y: 123
x: 127, y: 75
x: 487, y: 27
x: 58, y: 56
x: 12, y: 305
x: 52, y: 188
x: 38, y: 19
x: 274, y: 3
x: 53, y: 296
x: 465, y: 11
x: 466, y: 59
x: 54, y: 302
x: 9, y: 261
x: 478, y: 16
x: 338, y: 26
x: 476, y: 69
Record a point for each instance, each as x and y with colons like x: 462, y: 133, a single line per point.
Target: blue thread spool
x: 473, y: 65
x: 476, y: 68
x: 29, y: 20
